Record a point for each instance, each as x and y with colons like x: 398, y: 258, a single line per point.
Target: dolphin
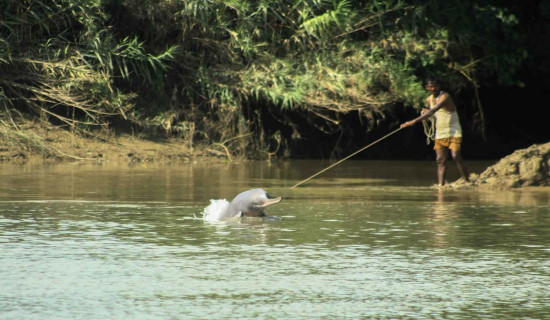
x: 251, y: 203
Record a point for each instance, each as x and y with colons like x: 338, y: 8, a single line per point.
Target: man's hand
x: 408, y: 124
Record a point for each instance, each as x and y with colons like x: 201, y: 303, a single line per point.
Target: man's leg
x: 441, y: 160
x: 460, y: 164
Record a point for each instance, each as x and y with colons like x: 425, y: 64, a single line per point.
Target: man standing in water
x: 448, y: 133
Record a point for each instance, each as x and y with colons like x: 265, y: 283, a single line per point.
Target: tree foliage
x: 60, y: 62
x: 211, y: 70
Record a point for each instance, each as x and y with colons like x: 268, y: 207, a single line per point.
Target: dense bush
x: 212, y: 71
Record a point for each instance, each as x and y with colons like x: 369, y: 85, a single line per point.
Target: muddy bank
x: 37, y: 143
x: 528, y: 167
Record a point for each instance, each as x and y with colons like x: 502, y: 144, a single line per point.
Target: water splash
x: 214, y: 212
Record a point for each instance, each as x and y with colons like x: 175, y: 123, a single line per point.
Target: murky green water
x: 365, y: 240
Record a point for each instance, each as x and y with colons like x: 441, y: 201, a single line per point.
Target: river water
x: 367, y: 239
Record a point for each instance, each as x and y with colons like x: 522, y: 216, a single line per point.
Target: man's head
x: 432, y: 85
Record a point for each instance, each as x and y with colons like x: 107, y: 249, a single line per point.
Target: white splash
x: 215, y: 211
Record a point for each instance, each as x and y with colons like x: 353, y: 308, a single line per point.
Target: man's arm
x: 427, y: 114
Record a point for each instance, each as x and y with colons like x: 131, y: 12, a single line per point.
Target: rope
x: 429, y: 124
x: 429, y: 130
x: 346, y: 158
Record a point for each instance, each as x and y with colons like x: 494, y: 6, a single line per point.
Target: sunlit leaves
x: 128, y: 59
x: 205, y: 61
x: 319, y: 25
x: 60, y: 60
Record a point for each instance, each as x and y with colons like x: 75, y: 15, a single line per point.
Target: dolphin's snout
x: 269, y: 202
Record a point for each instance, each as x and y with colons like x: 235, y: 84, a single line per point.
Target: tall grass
x: 211, y: 71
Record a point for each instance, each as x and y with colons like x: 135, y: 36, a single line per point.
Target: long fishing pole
x: 346, y: 158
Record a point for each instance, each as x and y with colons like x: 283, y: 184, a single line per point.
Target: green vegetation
x: 210, y: 71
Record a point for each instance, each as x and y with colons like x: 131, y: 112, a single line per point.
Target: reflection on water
x: 366, y: 240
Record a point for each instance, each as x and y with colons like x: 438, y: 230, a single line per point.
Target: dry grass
x: 36, y: 142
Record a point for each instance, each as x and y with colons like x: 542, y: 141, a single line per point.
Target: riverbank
x: 33, y: 142
x: 529, y: 167
x: 37, y: 143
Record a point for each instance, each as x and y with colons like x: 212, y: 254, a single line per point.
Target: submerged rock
x: 523, y: 168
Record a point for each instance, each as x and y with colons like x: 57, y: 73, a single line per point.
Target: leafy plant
x: 218, y: 72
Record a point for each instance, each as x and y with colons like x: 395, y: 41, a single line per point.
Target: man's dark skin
x: 446, y: 102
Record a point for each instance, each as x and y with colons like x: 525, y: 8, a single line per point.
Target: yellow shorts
x: 452, y: 143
